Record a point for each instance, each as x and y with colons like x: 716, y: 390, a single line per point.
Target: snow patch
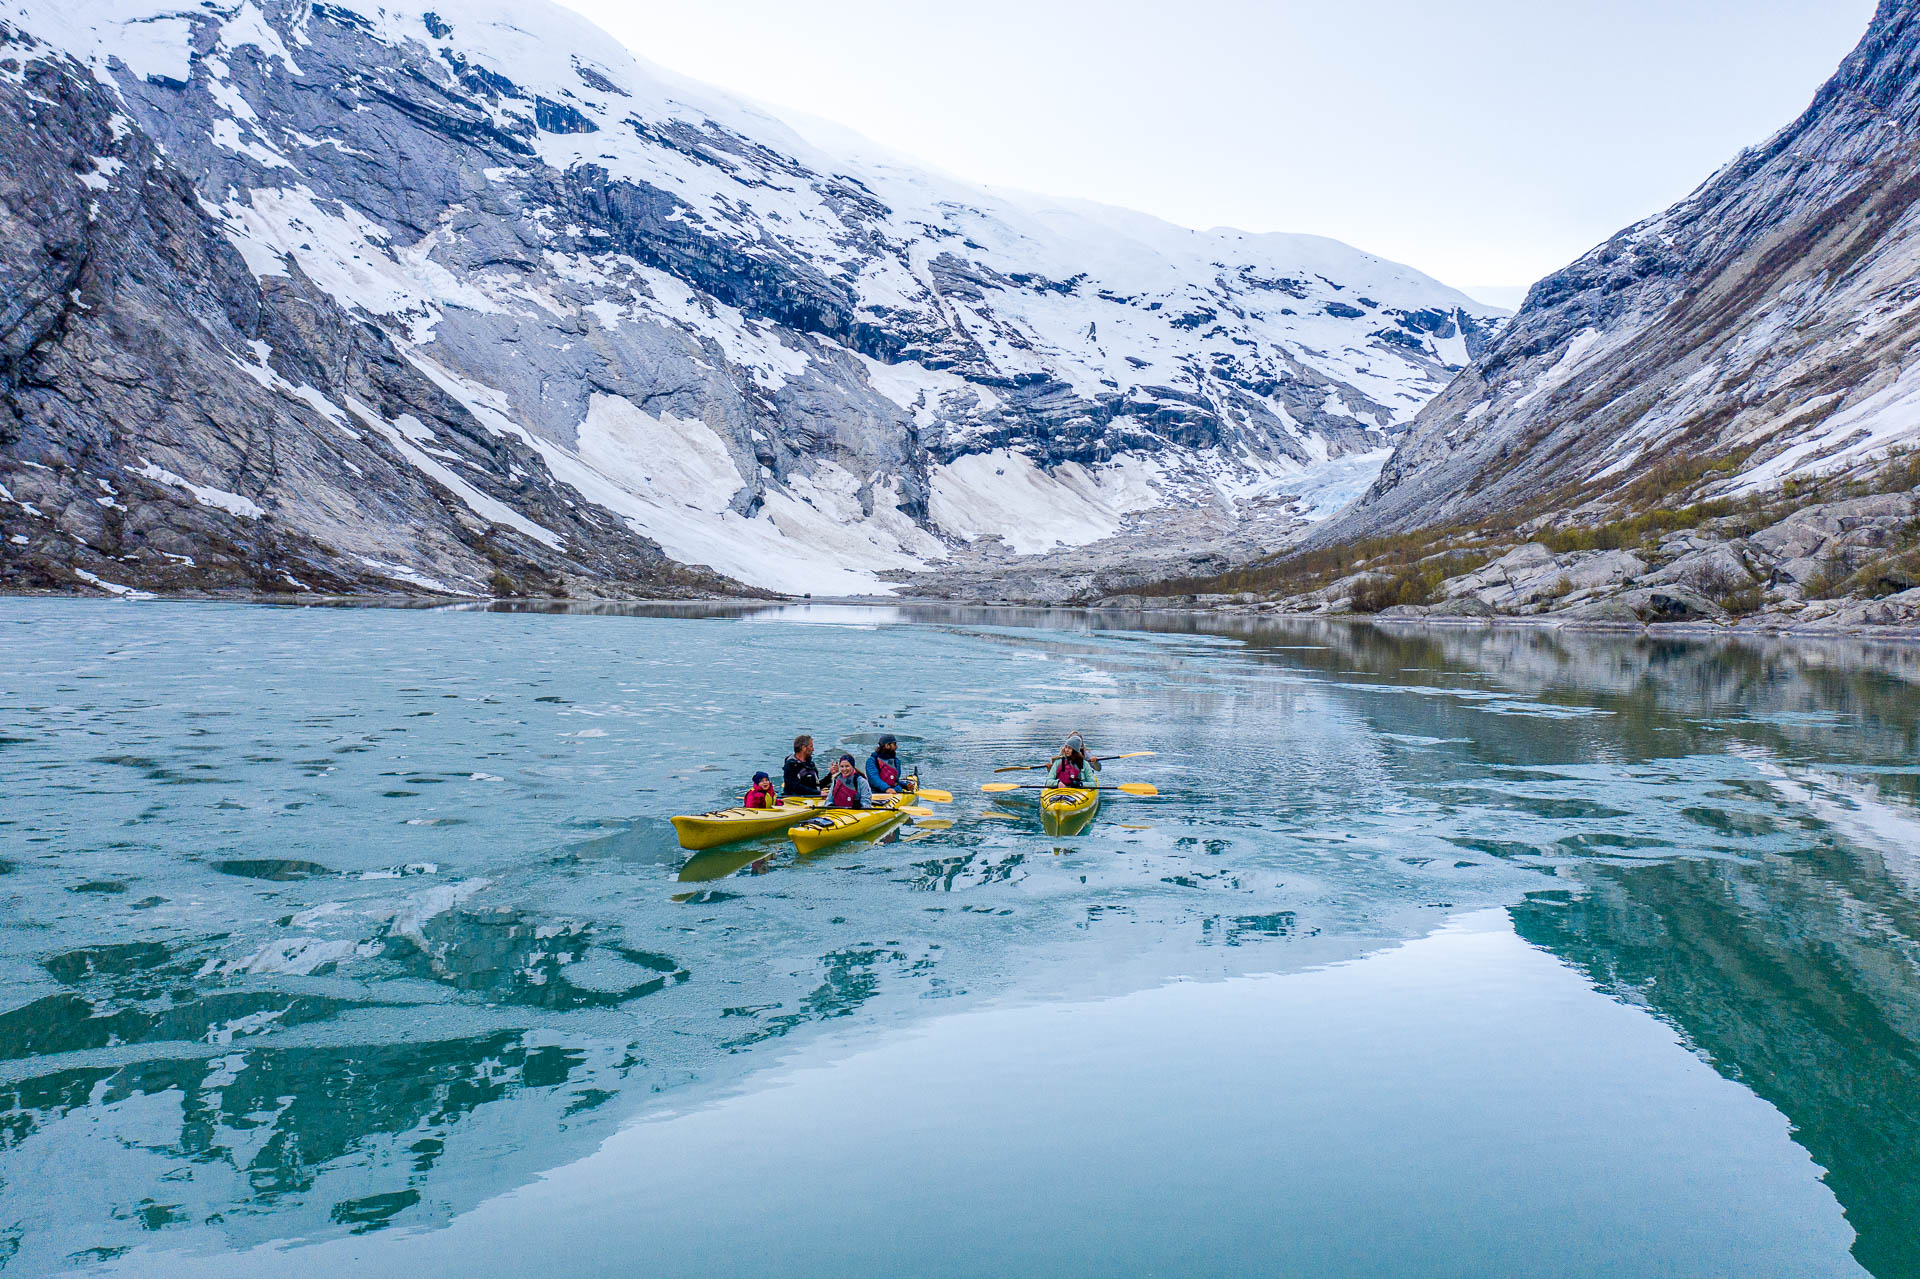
x: 231, y: 503
x: 407, y: 433
x: 150, y: 40
x: 105, y: 169
x: 1579, y: 348
x: 1004, y: 493
x: 249, y: 26
x: 1858, y: 433
x: 112, y: 588
x: 411, y: 576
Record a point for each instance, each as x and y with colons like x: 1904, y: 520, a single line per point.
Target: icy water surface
x: 358, y: 942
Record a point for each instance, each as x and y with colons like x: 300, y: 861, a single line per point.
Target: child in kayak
x: 849, y: 789
x: 1072, y: 766
x: 799, y: 776
x: 761, y: 796
x: 886, y: 771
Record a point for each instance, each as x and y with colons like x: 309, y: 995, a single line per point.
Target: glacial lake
x: 357, y: 942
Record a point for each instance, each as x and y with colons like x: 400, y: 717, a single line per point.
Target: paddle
x: 1098, y: 759
x: 937, y: 796
x: 1125, y: 788
x: 937, y: 823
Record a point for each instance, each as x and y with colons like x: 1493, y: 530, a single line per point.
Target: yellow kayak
x: 1068, y: 810
x: 837, y: 825
x: 724, y: 825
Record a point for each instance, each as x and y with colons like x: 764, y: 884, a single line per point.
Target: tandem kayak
x: 1068, y: 810
x: 837, y: 825
x: 724, y: 825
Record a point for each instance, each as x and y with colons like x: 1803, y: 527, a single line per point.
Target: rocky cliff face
x: 1762, y: 329
x: 170, y: 421
x: 472, y: 300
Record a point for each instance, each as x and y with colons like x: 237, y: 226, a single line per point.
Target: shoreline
x: 1240, y: 612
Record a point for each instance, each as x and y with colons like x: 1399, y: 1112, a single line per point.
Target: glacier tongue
x: 811, y: 368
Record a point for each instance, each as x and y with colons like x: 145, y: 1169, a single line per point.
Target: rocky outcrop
x: 1761, y: 329
x: 806, y: 370
x: 1840, y: 565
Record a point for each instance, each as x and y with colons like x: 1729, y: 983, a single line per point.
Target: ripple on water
x: 385, y: 963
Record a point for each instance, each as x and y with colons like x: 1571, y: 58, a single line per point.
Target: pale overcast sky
x: 1485, y: 142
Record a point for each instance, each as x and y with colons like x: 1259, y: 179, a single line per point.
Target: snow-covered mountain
x: 520, y: 312
x: 1765, y: 328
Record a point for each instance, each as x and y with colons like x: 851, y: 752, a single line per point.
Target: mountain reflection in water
x: 402, y: 924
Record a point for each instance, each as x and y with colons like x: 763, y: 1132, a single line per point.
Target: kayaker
x: 761, y: 796
x: 849, y: 789
x: 886, y: 771
x: 1072, y: 766
x: 799, y: 776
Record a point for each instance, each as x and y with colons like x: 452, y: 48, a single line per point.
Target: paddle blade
x: 914, y: 810
x: 998, y: 788
x: 1138, y: 788
x: 936, y: 823
x: 937, y: 796
x: 1019, y: 768
x: 1129, y: 755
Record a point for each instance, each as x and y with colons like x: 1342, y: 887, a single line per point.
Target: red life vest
x: 845, y: 794
x: 759, y: 797
x: 1068, y: 773
x: 889, y: 771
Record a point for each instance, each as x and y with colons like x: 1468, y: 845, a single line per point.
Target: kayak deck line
x: 1068, y: 810
x: 699, y: 831
x: 829, y: 826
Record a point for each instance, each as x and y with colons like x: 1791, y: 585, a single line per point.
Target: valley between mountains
x: 377, y: 299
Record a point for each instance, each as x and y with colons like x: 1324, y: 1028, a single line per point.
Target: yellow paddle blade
x: 999, y: 787
x: 1126, y: 827
x: 1137, y: 788
x: 1019, y: 768
x: 1129, y: 755
x: 936, y: 823
x: 937, y: 796
x: 914, y: 810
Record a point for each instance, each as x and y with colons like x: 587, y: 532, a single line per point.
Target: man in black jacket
x: 799, y: 776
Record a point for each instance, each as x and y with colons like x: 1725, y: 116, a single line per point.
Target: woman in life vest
x: 1072, y: 766
x: 848, y: 788
x: 761, y: 796
x: 799, y: 776
x: 886, y: 771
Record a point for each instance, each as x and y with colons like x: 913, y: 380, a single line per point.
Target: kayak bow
x: 724, y: 825
x: 1068, y: 810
